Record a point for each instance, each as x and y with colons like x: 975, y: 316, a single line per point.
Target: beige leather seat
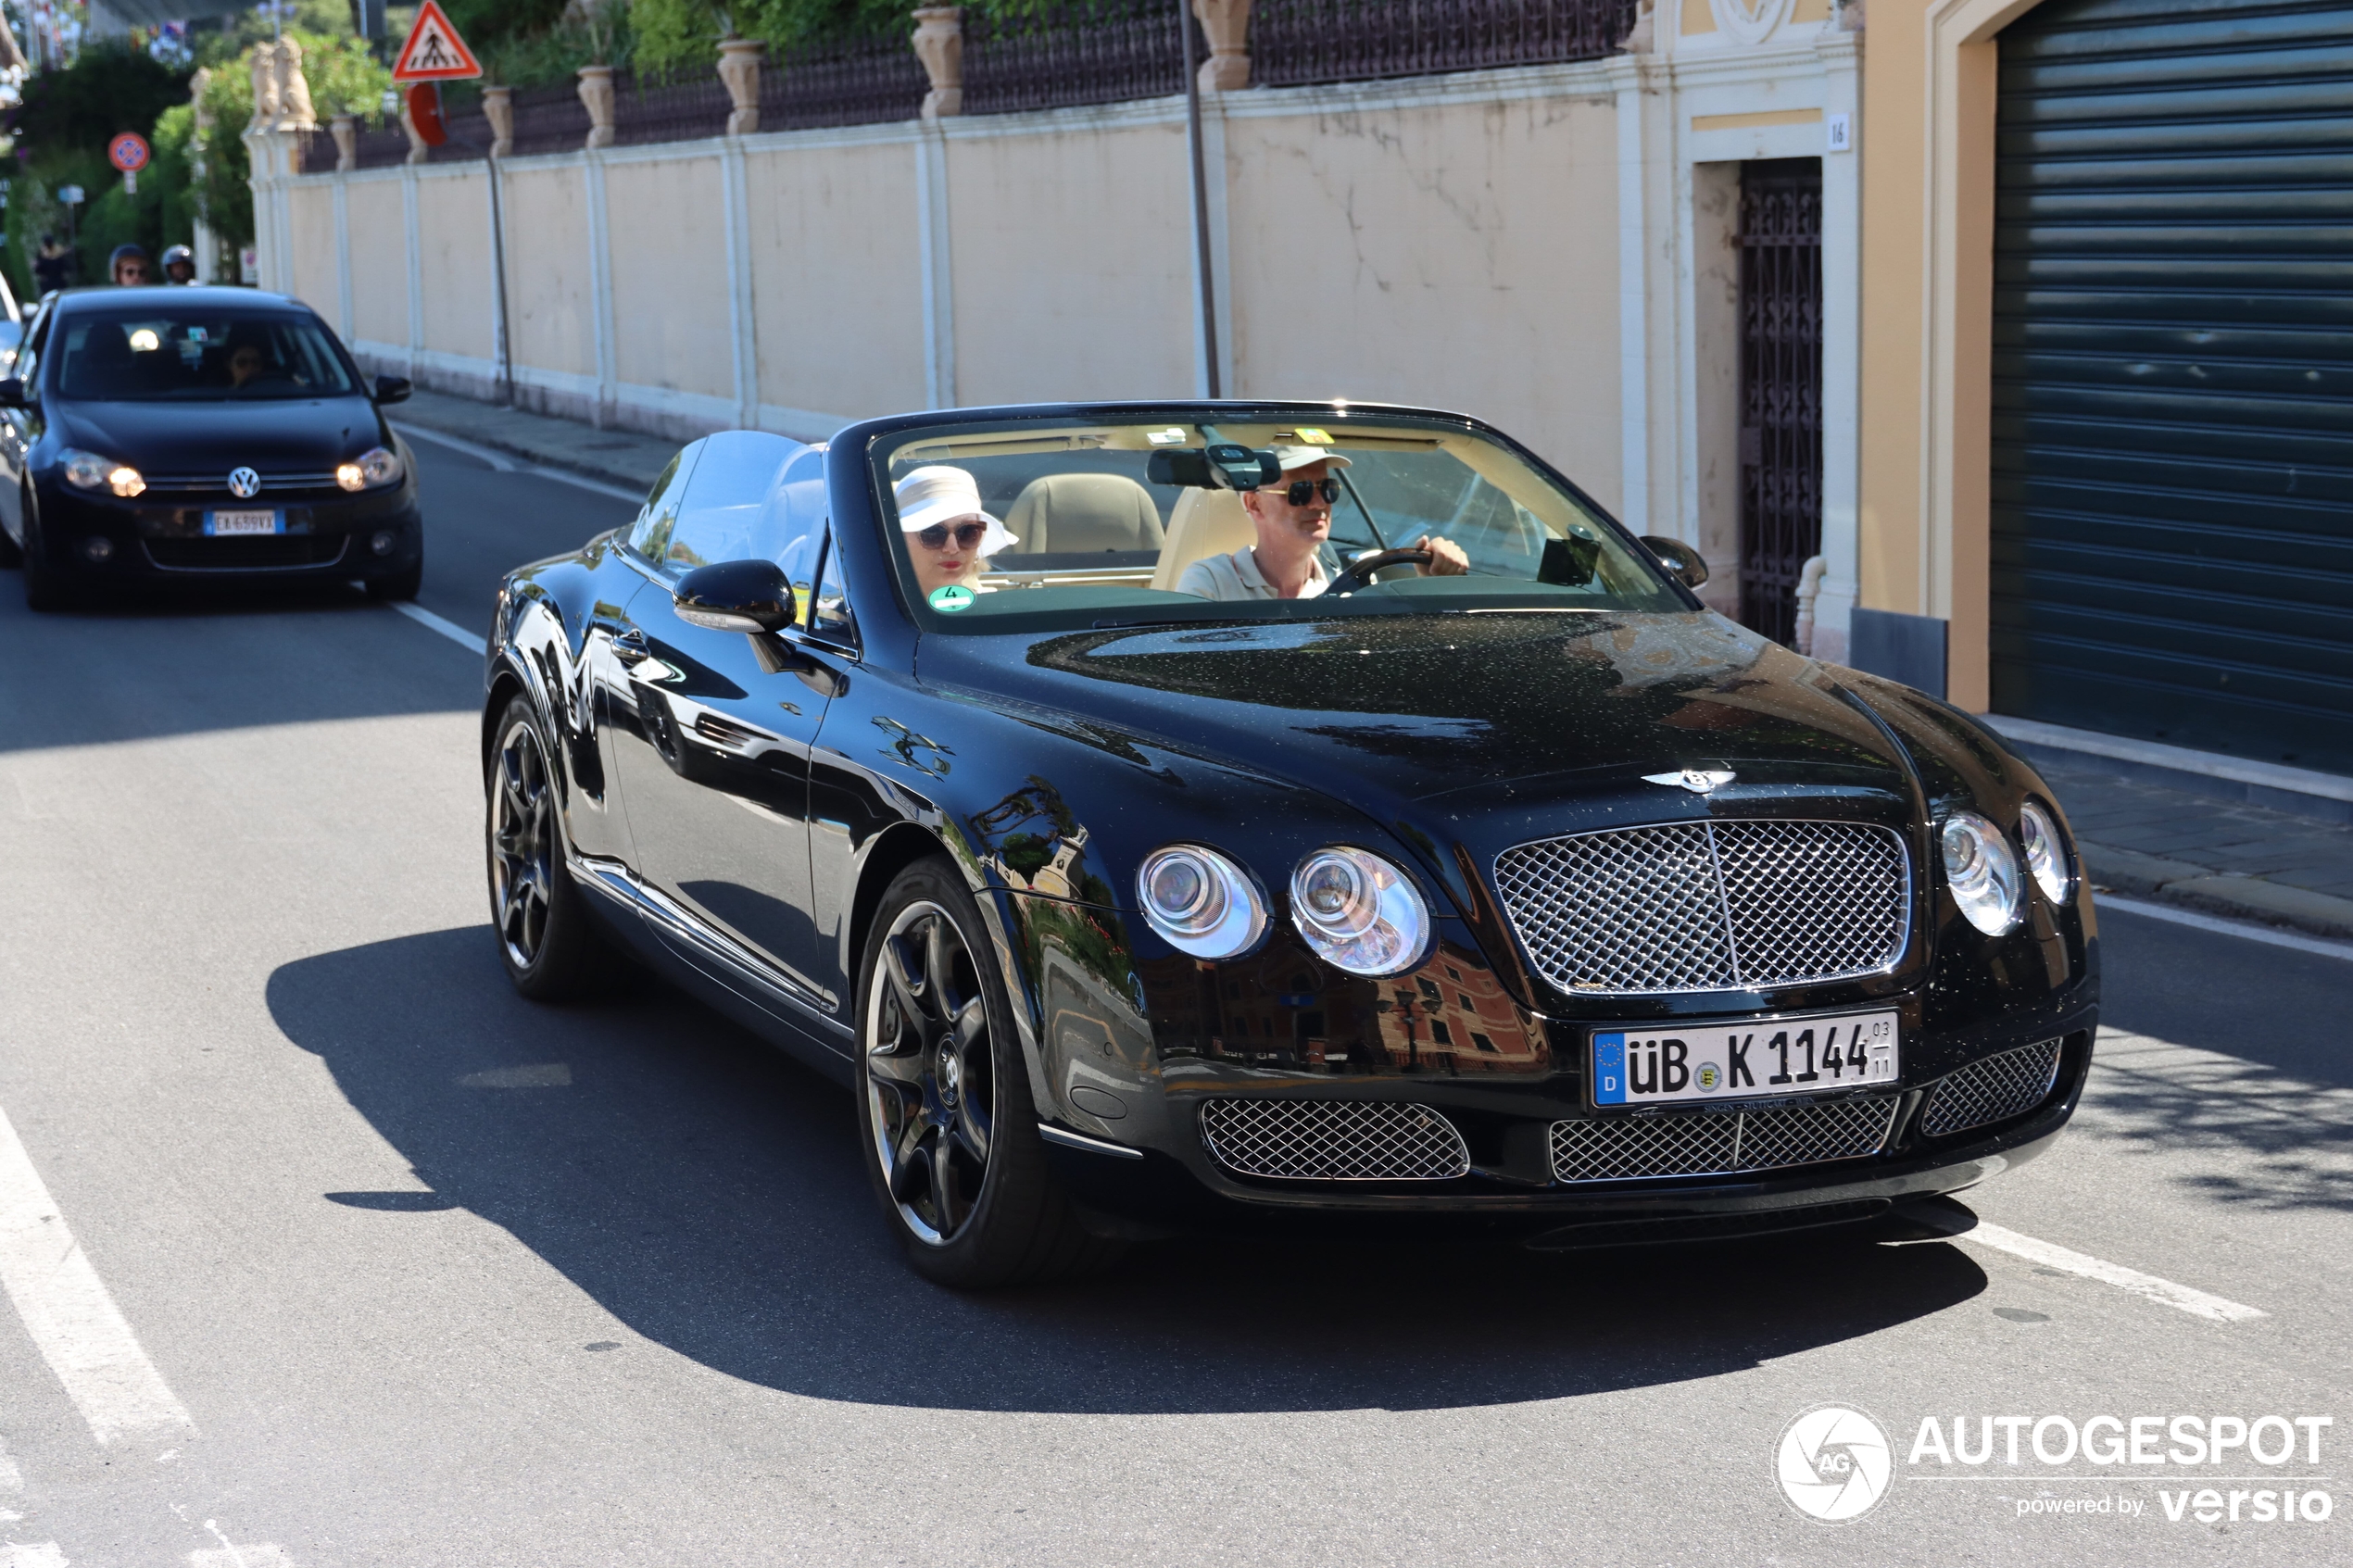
x: 1069, y: 513
x: 1205, y: 523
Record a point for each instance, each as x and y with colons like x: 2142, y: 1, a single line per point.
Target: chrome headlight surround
x: 1201, y: 902
x: 1359, y: 912
x: 87, y: 470
x: 2047, y: 856
x: 1983, y: 871
x: 378, y: 465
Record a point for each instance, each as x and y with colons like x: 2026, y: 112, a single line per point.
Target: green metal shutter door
x: 2173, y: 420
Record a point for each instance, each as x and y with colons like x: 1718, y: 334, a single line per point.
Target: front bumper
x: 333, y: 536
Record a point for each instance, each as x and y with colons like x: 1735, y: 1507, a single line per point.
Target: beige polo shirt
x: 1237, y: 577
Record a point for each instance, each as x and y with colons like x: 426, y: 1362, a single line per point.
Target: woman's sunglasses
x: 967, y: 535
x: 1300, y: 491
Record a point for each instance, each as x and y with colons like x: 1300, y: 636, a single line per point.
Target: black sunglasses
x: 1300, y: 491
x: 967, y: 536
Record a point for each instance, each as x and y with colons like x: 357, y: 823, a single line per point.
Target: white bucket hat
x: 940, y: 494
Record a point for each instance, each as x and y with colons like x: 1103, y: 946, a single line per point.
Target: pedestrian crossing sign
x: 434, y: 52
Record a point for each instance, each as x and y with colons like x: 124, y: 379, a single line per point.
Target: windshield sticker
x: 1311, y: 435
x: 1169, y: 437
x: 952, y: 599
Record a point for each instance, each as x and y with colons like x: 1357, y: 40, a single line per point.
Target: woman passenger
x: 950, y: 538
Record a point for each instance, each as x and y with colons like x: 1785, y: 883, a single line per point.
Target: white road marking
x: 2197, y: 1303
x: 11, y: 1479
x: 505, y: 464
x: 546, y: 1075
x: 48, y: 1554
x: 261, y: 1554
x: 449, y: 629
x: 65, y: 1306
x: 2247, y: 929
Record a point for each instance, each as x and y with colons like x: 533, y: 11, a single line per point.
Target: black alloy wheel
x: 546, y: 936
x: 943, y: 1100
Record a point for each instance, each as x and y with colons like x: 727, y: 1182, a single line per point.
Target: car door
x: 712, y: 760
x: 18, y: 426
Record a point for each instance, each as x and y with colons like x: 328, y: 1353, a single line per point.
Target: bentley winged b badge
x: 1699, y: 781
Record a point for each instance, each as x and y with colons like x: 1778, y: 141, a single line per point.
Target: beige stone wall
x: 836, y: 225
x: 453, y: 227
x: 379, y: 253
x: 317, y: 279
x: 1072, y: 265
x: 671, y: 327
x: 549, y: 291
x: 1460, y: 253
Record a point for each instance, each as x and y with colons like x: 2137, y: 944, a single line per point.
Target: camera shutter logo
x: 244, y: 483
x: 1834, y: 1464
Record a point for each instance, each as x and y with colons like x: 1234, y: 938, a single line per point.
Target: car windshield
x: 158, y: 354
x: 1025, y: 525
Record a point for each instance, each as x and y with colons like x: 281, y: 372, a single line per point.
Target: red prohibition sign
x: 127, y: 152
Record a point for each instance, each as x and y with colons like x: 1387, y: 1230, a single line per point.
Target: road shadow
x: 707, y: 1191
x: 181, y: 662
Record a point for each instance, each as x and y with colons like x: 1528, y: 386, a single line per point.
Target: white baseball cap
x: 941, y: 494
x: 1300, y: 457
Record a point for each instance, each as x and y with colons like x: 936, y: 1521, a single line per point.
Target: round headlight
x: 1981, y: 871
x: 86, y: 470
x: 1359, y: 912
x: 1201, y: 902
x: 2046, y: 852
x: 349, y: 477
x: 378, y: 465
x: 125, y: 480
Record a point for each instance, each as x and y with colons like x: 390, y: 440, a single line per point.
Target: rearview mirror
x: 392, y: 389
x: 1679, y: 559
x: 735, y: 596
x: 11, y: 394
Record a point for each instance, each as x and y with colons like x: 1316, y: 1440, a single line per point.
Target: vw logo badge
x: 244, y: 483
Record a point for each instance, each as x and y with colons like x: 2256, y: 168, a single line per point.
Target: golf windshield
x: 157, y: 354
x: 1033, y: 525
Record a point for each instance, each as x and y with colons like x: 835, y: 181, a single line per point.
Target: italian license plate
x: 222, y: 525
x: 1787, y: 1056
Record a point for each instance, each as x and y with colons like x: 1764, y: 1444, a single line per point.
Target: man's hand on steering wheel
x: 1446, y: 558
x: 1429, y: 558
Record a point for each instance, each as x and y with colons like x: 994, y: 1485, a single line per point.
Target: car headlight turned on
x: 2047, y: 854
x: 1201, y: 902
x: 87, y: 470
x: 378, y: 465
x: 1359, y: 912
x: 1981, y: 871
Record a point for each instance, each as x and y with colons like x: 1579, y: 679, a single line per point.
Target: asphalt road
x: 349, y: 1256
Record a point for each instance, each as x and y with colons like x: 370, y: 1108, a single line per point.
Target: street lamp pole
x: 1201, y: 202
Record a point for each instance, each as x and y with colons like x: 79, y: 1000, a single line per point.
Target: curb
x: 2214, y: 893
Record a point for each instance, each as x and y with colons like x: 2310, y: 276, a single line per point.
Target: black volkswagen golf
x: 185, y: 434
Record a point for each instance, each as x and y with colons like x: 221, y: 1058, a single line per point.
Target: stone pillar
x: 595, y: 92
x: 498, y: 108
x: 739, y: 68
x: 1226, y: 25
x: 346, y: 131
x: 939, y: 44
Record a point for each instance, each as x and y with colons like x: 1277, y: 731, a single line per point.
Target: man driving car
x: 1293, y: 517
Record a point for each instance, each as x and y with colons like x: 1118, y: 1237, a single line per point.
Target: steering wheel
x: 1360, y: 573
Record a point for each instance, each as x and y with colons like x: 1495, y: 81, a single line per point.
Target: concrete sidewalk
x: 2151, y: 833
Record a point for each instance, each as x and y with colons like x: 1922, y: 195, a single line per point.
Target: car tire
x: 43, y: 591
x: 548, y: 939
x: 402, y: 586
x: 945, y: 1119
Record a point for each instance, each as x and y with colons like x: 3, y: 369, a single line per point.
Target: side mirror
x: 1677, y: 558
x: 11, y: 394
x: 735, y: 596
x: 392, y: 389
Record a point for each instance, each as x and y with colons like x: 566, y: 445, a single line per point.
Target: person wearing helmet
x: 128, y: 266
x: 179, y: 264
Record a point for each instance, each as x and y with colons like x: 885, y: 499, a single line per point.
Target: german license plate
x: 222, y: 525
x: 1788, y: 1056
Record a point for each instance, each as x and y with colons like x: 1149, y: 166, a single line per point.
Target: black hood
x: 170, y: 437
x: 1426, y: 717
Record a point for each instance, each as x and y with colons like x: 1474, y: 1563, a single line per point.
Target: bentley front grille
x: 1715, y: 906
x: 1621, y: 1148
x: 2004, y: 1084
x: 1322, y: 1140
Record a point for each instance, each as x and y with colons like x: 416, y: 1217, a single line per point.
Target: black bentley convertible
x: 978, y: 758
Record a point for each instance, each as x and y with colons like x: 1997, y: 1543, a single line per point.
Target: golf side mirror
x: 1677, y: 558
x: 392, y: 389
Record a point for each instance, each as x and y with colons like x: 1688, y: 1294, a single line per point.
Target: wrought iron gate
x: 1780, y: 236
